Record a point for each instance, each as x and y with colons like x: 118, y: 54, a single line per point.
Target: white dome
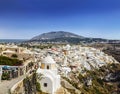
x: 49, y: 60
x: 67, y: 47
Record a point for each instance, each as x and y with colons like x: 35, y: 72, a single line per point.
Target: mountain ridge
x: 56, y: 34
x: 67, y: 37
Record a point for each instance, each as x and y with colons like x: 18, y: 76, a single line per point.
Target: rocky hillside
x: 106, y: 80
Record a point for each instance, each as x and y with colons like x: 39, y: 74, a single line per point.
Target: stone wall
x: 17, y: 88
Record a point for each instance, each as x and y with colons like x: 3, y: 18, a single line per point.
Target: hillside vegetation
x: 9, y: 61
x: 106, y: 80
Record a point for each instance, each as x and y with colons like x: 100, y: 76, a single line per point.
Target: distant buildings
x: 21, y: 53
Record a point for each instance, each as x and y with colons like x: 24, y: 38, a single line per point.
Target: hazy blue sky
x: 90, y: 18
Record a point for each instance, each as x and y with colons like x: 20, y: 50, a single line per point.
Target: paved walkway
x: 7, y: 84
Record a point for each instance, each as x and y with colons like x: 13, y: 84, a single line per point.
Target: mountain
x: 66, y: 37
x: 57, y: 34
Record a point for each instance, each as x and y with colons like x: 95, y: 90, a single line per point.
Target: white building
x: 50, y: 81
x: 0, y: 73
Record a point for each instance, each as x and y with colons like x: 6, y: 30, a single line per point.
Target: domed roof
x: 48, y: 59
x: 67, y: 47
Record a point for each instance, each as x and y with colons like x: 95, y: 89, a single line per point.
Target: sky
x: 24, y: 19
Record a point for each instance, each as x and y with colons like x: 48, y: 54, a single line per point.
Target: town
x: 59, y: 46
x: 53, y: 67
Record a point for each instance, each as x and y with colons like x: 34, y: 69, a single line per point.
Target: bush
x: 5, y: 76
x: 38, y: 88
x: 14, y: 56
x: 100, y: 81
x: 8, y: 61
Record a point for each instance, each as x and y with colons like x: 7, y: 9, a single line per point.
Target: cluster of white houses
x: 54, y: 61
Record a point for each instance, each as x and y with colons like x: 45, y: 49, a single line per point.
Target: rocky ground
x: 106, y: 80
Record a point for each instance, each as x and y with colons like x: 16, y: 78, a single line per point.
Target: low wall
x: 18, y: 88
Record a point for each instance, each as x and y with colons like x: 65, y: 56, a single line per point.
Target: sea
x: 12, y: 40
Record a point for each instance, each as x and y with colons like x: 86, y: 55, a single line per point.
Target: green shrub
x: 100, y: 81
x: 5, y: 76
x: 14, y: 56
x: 9, y: 61
x: 38, y: 88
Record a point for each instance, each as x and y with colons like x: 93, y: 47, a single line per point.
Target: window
x: 47, y: 67
x: 4, y: 53
x: 16, y: 50
x: 45, y: 84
